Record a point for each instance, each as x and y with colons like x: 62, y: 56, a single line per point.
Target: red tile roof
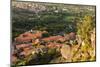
x: 53, y: 38
x: 27, y: 37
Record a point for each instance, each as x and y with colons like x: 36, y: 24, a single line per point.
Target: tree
x: 84, y: 28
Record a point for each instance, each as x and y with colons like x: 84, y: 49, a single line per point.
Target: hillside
x: 46, y: 33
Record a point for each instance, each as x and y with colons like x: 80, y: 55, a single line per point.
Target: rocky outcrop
x: 66, y: 53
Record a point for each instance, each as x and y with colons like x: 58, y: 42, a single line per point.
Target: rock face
x: 66, y: 52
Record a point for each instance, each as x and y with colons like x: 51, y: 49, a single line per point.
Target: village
x: 49, y: 33
x: 33, y: 42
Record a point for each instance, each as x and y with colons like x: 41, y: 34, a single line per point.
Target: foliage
x: 85, y: 27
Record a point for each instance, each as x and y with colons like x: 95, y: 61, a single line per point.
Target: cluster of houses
x: 32, y: 42
x: 27, y: 41
x: 34, y: 7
